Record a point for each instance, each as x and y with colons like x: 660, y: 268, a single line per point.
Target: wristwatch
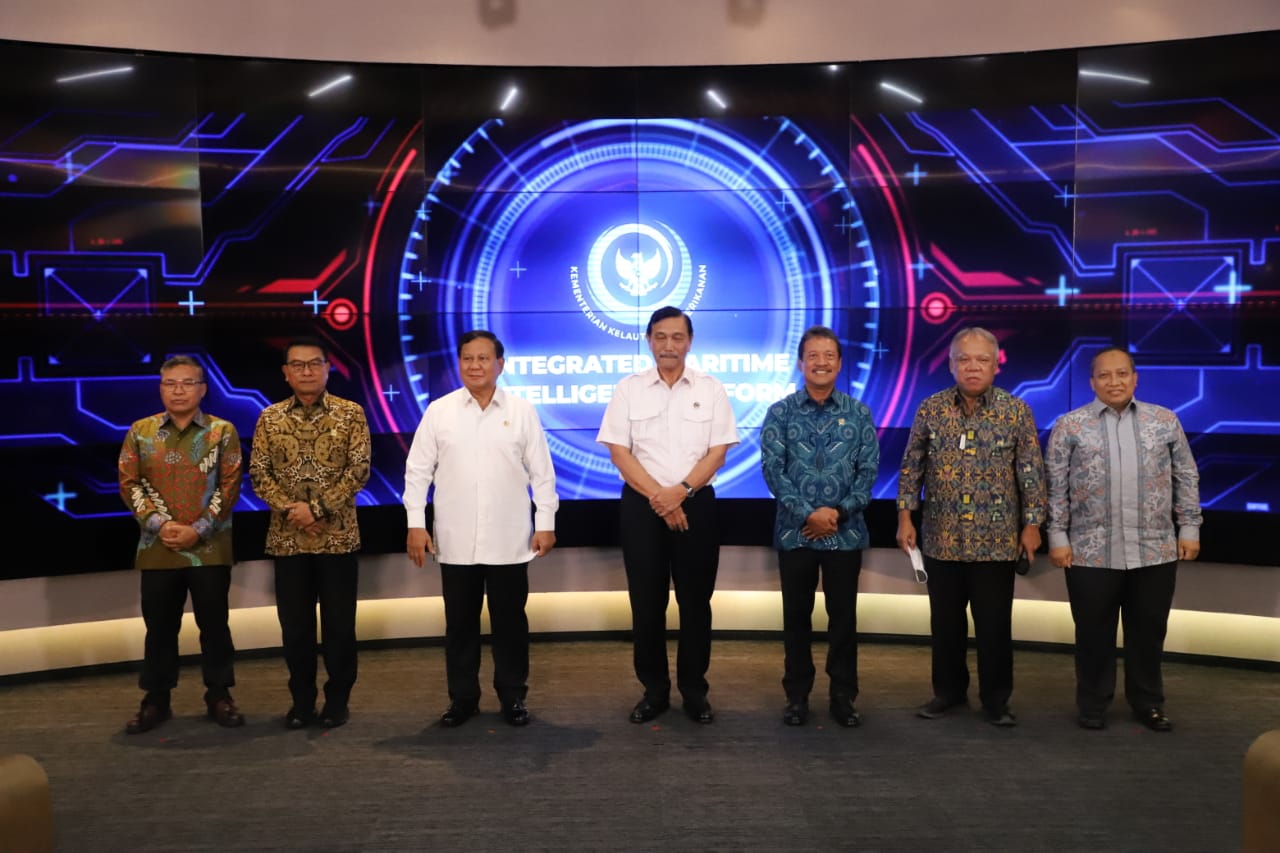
x: 688, y: 490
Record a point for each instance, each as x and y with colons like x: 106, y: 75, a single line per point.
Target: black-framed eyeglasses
x: 301, y: 366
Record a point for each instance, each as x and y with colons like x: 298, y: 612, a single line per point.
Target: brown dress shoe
x: 225, y: 713
x: 148, y: 717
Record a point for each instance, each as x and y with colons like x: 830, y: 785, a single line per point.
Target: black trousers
x: 1099, y: 599
x: 799, y: 571
x: 464, y: 589
x: 987, y: 590
x: 302, y: 580
x: 656, y: 556
x: 164, y: 595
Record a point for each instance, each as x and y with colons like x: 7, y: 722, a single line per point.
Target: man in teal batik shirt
x: 820, y: 455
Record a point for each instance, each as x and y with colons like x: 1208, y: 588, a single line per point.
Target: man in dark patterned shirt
x: 310, y: 459
x: 820, y: 455
x: 180, y: 476
x: 974, y: 451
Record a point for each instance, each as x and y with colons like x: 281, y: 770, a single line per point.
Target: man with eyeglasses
x: 180, y: 476
x: 973, y: 450
x: 820, y: 456
x: 310, y: 459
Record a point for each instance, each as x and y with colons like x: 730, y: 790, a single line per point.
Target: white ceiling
x: 620, y: 32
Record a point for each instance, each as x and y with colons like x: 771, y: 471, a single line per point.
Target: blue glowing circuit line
x: 1074, y: 126
x: 1055, y: 234
x: 306, y: 172
x: 1014, y: 147
x: 921, y: 152
x: 1187, y: 404
x: 254, y: 161
x: 1190, y: 317
x: 369, y: 150
x: 97, y: 313
x: 79, y: 386
x: 17, y: 134
x: 1222, y: 101
x: 1208, y: 504
x: 195, y: 135
x: 66, y: 439
x: 1066, y: 245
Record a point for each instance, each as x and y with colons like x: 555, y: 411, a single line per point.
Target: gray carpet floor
x: 581, y: 777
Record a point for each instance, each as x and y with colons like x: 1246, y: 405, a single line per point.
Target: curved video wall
x: 1066, y: 200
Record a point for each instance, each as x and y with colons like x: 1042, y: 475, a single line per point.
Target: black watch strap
x: 688, y: 490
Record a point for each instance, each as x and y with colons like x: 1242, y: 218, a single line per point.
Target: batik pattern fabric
x: 316, y: 453
x: 191, y: 476
x: 819, y: 455
x: 981, y: 474
x: 1078, y: 466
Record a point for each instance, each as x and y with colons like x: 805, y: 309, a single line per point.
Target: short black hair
x: 666, y: 312
x: 476, y: 334
x: 819, y: 332
x: 1093, y: 363
x: 305, y: 341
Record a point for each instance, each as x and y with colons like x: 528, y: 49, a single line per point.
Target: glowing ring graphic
x: 768, y: 189
x: 341, y: 314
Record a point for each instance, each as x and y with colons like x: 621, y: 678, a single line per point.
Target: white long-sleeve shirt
x: 484, y: 463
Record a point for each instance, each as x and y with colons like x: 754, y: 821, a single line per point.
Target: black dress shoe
x: 148, y: 717
x: 938, y: 706
x: 457, y: 715
x: 333, y: 716
x: 699, y: 710
x: 648, y: 709
x: 515, y: 713
x: 1093, y: 720
x: 843, y: 712
x: 1001, y: 717
x: 1154, y: 719
x: 296, y: 718
x: 225, y: 713
x: 795, y: 713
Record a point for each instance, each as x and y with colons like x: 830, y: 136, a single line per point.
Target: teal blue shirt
x: 819, y: 455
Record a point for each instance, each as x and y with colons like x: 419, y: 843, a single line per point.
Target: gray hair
x: 181, y: 361
x: 973, y: 332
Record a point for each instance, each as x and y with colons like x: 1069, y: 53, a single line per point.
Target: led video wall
x: 1066, y: 200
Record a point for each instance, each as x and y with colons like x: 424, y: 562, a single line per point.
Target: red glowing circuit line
x: 885, y: 184
x: 368, y: 284
x: 304, y: 285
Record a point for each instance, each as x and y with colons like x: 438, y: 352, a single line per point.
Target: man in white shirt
x: 484, y: 450
x: 667, y: 430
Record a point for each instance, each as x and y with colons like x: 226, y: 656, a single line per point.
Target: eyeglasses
x: 171, y: 384
x: 301, y: 366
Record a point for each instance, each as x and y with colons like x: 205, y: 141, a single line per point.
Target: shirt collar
x: 834, y: 401
x: 983, y: 401
x: 652, y: 377
x: 322, y: 401
x: 199, y: 419
x: 499, y: 398
x: 1100, y: 408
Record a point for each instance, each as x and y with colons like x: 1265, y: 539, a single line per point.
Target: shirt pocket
x: 647, y: 423
x: 1001, y: 444
x: 695, y: 426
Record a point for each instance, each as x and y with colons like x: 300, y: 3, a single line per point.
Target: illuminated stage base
x: 1224, y: 611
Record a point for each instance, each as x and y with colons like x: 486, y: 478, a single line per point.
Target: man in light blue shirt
x: 1120, y: 476
x: 820, y: 456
